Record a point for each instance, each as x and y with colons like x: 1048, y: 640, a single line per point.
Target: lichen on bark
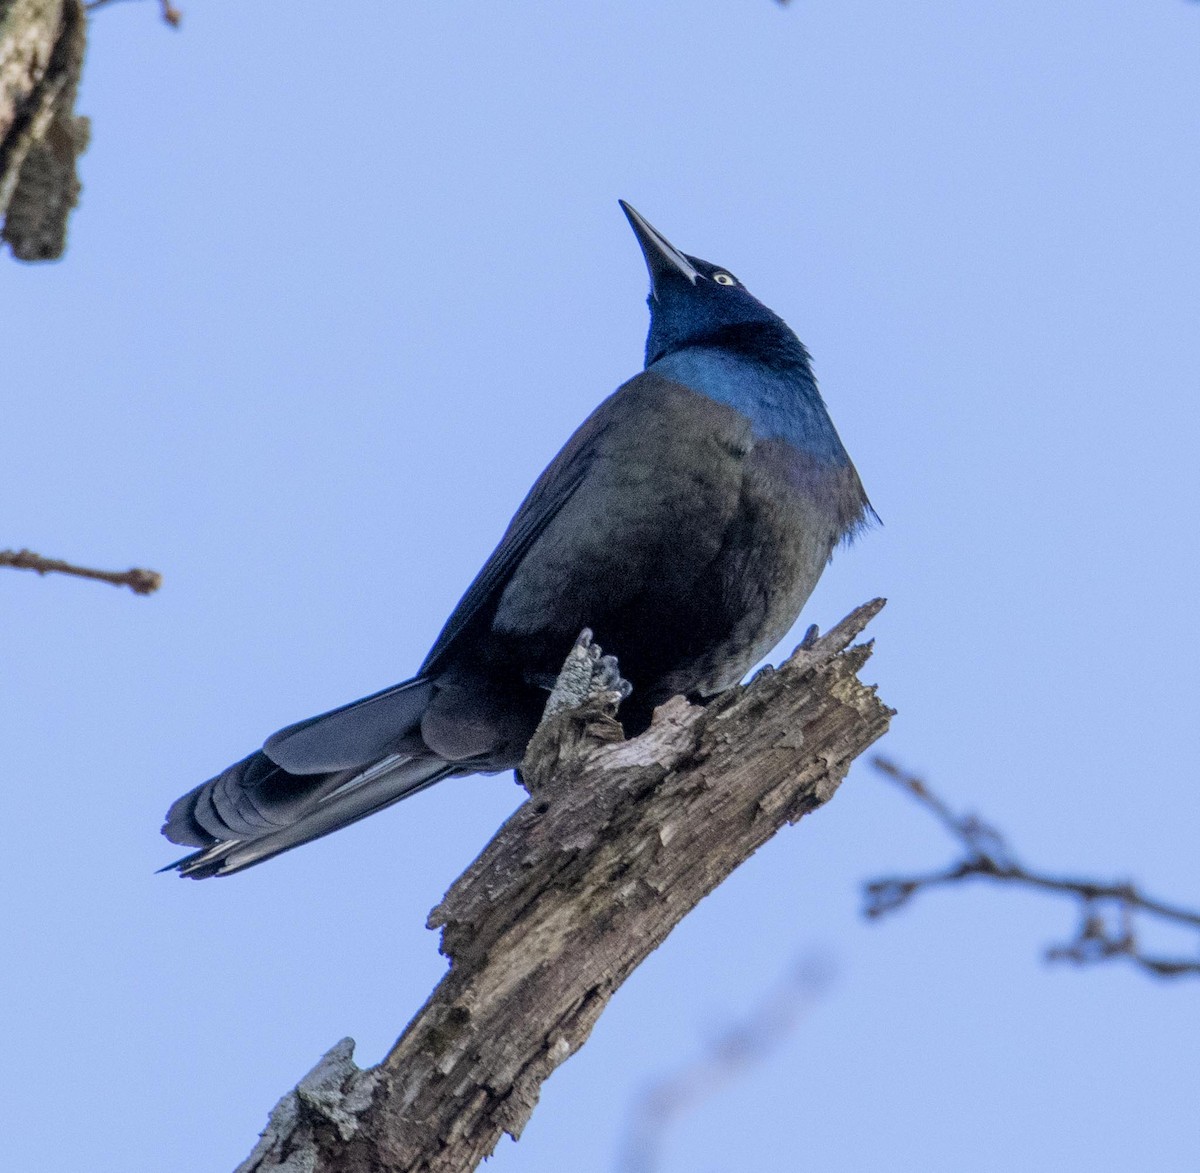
x: 42, y: 46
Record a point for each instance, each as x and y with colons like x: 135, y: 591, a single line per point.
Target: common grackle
x: 685, y: 522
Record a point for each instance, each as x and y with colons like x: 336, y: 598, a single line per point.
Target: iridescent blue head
x: 696, y: 303
x: 712, y: 336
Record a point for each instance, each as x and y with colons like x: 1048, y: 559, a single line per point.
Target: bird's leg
x: 587, y: 675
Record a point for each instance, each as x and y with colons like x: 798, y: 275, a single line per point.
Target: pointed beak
x: 663, y: 259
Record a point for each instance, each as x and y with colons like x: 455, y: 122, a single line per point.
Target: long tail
x: 226, y: 849
x: 308, y: 780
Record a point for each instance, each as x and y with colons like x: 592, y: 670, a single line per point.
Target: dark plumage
x: 686, y: 522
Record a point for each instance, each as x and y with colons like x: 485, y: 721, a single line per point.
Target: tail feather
x: 307, y: 780
x: 251, y: 797
x: 354, y: 735
x: 342, y: 798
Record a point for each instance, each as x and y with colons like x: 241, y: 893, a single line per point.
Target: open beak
x: 663, y: 259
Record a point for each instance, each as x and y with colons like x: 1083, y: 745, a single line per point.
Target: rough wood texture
x: 618, y: 841
x: 42, y: 45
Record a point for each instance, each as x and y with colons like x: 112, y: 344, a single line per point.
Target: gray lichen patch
x: 42, y: 46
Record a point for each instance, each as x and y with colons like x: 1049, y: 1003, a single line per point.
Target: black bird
x: 686, y: 522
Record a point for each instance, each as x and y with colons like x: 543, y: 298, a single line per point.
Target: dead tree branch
x: 1108, y: 910
x: 42, y: 45
x: 141, y: 582
x: 617, y: 842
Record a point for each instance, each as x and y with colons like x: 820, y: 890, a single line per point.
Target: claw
x: 586, y: 673
x: 609, y: 675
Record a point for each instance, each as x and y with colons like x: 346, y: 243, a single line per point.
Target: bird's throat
x: 780, y: 399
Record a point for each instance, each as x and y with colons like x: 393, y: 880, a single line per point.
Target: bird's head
x: 696, y: 303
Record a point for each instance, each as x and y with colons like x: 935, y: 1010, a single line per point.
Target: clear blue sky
x: 343, y: 279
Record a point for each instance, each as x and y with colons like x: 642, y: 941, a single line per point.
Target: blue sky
x: 343, y: 279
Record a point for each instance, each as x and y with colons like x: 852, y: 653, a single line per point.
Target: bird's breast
x: 791, y: 514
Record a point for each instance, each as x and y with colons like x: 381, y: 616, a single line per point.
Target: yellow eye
x: 724, y: 279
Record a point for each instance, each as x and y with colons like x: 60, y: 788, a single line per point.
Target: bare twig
x: 739, y: 1047
x: 1107, y: 909
x: 141, y: 582
x: 169, y: 12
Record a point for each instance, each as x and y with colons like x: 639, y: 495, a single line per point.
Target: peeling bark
x: 42, y: 44
x: 618, y: 841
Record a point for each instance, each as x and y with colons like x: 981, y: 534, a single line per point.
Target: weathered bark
x: 42, y: 45
x: 618, y: 841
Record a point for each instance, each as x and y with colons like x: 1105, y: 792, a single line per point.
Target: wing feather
x: 552, y: 490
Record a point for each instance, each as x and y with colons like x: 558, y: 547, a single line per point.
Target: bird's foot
x: 580, y: 715
x: 587, y: 675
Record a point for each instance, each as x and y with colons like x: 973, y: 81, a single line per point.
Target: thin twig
x: 141, y: 582
x: 170, y: 13
x: 741, y: 1046
x: 1107, y: 909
